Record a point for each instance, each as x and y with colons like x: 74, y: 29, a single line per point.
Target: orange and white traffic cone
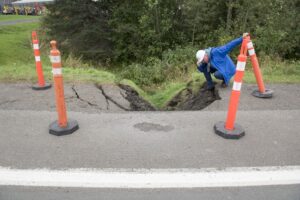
x: 229, y: 129
x: 63, y: 126
x: 41, y: 85
x: 261, y: 92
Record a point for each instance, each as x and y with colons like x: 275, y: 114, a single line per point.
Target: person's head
x: 201, y: 57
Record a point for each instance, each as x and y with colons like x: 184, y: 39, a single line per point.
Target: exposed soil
x: 136, y: 102
x: 193, y: 99
x: 190, y: 98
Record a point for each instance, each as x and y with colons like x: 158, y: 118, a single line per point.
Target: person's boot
x: 210, y: 87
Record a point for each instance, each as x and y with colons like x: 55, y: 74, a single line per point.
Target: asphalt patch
x: 147, y: 127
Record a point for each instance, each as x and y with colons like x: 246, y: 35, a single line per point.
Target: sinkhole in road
x: 189, y: 98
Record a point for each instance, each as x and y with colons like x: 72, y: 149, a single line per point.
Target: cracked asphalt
x: 79, y: 98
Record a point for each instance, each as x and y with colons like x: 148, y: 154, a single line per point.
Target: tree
x: 81, y: 27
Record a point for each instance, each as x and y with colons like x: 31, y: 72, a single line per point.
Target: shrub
x: 175, y: 64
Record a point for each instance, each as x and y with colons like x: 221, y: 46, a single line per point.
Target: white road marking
x: 153, y: 178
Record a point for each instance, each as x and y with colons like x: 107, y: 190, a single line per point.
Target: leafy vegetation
x: 153, y: 42
x: 129, y: 31
x: 174, y: 65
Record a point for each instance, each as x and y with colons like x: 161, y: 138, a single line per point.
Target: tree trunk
x: 229, y: 15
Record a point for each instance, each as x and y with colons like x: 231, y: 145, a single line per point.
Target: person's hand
x: 245, y: 35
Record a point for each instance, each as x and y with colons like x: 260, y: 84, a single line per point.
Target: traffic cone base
x: 236, y: 133
x: 38, y: 87
x: 55, y: 129
x: 267, y: 94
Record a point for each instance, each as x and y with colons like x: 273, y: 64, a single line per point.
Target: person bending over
x: 215, y: 60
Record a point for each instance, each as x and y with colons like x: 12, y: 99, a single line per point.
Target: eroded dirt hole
x: 191, y: 98
x: 137, y: 103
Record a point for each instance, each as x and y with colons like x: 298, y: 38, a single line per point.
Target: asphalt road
x: 241, y: 193
x: 152, y: 140
x: 163, y: 140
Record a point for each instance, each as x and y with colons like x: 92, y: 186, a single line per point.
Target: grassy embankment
x: 17, y: 64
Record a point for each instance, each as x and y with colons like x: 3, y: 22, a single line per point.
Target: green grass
x: 135, y: 87
x: 275, y: 71
x: 26, y: 72
x: 15, y: 43
x: 164, y: 94
x: 16, y: 17
x: 161, y: 95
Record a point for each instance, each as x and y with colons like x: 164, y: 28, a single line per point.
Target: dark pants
x: 216, y: 73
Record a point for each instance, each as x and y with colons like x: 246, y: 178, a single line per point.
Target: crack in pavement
x: 83, y: 100
x: 123, y: 95
x: 107, y: 102
x: 67, y: 98
x: 110, y: 99
x: 9, y: 101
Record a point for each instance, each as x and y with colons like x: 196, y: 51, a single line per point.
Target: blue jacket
x: 221, y: 61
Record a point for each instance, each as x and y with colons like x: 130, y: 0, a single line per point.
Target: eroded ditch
x: 123, y: 97
x: 193, y: 98
x: 127, y: 99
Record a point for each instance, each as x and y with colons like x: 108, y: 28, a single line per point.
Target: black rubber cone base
x: 267, y: 94
x: 38, y: 87
x: 236, y: 133
x: 55, y: 129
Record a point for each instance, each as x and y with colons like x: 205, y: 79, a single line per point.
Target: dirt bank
x: 191, y: 98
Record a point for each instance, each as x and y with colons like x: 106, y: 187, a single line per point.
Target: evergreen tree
x: 81, y: 27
